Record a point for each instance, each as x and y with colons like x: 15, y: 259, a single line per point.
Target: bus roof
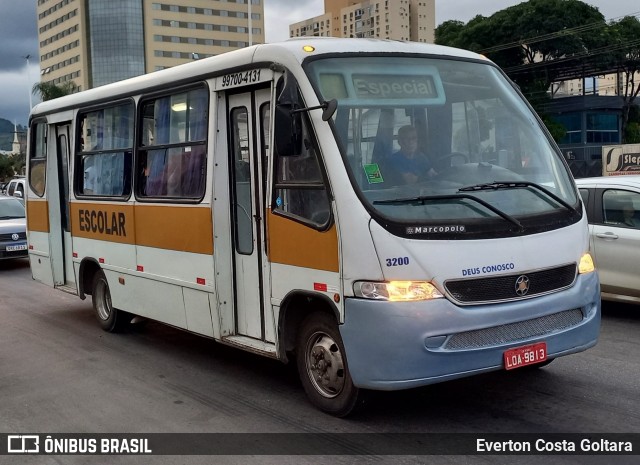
x: 286, y: 53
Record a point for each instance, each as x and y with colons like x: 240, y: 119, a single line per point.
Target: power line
x: 553, y: 35
x: 588, y: 54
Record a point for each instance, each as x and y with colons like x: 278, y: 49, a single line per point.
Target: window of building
x: 572, y: 123
x: 602, y: 128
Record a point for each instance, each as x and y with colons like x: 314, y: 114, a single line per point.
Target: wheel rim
x: 103, y: 300
x: 325, y: 365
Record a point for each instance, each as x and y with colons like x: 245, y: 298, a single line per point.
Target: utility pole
x: 26, y: 57
x: 250, y: 24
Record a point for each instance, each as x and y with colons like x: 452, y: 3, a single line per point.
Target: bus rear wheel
x: 109, y: 318
x: 322, y: 366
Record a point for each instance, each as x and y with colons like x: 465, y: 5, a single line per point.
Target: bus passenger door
x: 248, y: 132
x: 58, y: 192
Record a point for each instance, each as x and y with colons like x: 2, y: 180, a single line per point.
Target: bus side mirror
x: 287, y: 131
x: 287, y: 122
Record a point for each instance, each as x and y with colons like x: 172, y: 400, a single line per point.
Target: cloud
x: 18, y: 23
x: 279, y: 14
x: 16, y: 88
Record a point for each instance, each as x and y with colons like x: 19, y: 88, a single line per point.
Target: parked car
x: 17, y: 188
x: 13, y: 228
x: 613, y: 210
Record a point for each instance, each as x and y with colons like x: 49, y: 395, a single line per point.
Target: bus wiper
x: 423, y: 199
x: 516, y: 185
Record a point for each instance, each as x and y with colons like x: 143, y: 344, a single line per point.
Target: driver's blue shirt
x: 418, y: 165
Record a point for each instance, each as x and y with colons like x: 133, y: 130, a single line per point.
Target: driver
x: 409, y: 162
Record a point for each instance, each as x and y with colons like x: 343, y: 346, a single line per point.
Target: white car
x: 613, y: 210
x: 13, y: 229
x: 17, y: 187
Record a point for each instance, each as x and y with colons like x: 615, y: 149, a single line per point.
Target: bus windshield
x: 433, y: 139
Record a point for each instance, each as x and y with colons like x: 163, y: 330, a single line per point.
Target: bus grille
x: 513, y: 332
x: 7, y: 237
x: 502, y: 288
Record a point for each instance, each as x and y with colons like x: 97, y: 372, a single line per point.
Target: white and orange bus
x: 262, y: 198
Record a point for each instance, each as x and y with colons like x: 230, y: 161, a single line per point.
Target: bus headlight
x: 397, y: 291
x: 586, y: 264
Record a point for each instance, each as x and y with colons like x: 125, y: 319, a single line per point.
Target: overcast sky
x: 20, y: 36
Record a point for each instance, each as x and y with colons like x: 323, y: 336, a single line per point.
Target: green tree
x: 18, y: 162
x: 449, y: 32
x: 527, y: 38
x: 557, y: 130
x: 536, y: 31
x: 49, y: 91
x: 6, y: 170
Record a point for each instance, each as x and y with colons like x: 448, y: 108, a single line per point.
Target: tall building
x: 95, y: 42
x: 412, y: 20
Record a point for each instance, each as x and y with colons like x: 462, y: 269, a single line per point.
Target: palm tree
x: 48, y: 90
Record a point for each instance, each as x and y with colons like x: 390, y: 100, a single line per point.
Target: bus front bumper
x: 400, y: 345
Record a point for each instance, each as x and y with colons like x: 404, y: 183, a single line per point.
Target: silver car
x: 613, y: 210
x: 13, y: 229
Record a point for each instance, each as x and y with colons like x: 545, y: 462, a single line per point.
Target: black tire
x: 110, y: 319
x: 322, y: 366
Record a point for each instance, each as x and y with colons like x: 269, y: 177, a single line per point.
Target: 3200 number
x: 236, y: 79
x: 397, y: 261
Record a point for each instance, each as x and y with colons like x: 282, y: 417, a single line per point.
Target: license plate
x: 525, y: 355
x: 13, y: 248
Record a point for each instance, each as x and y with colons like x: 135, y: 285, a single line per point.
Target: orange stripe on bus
x: 106, y: 222
x: 38, y: 215
x: 292, y: 243
x: 187, y: 229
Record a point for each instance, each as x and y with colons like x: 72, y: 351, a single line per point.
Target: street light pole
x: 250, y: 28
x: 29, y: 81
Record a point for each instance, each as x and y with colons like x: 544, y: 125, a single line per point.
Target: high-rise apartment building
x: 412, y: 20
x: 95, y: 42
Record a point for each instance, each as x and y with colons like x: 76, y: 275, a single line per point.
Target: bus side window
x: 172, y: 155
x: 38, y: 158
x: 105, y: 147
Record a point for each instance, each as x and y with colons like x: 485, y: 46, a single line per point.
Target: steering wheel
x: 451, y: 156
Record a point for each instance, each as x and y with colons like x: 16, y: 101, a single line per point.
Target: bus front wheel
x: 322, y: 366
x: 109, y: 318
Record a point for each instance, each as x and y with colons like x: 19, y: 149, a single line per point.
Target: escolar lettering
x: 102, y: 222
